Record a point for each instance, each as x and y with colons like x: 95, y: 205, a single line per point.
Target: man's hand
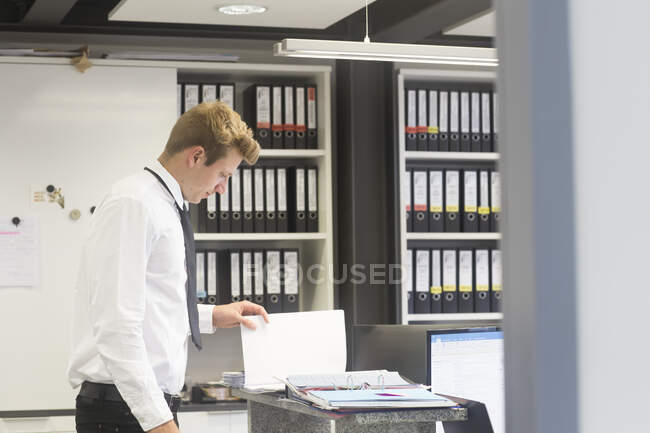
x: 231, y: 315
x: 168, y: 427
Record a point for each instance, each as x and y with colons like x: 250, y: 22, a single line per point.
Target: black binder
x: 269, y: 186
x: 258, y: 101
x: 247, y: 200
x: 433, y: 129
x: 476, y: 121
x: 449, y: 281
x: 312, y: 110
x: 420, y: 192
x: 436, y: 197
x: 212, y: 285
x: 227, y: 94
x: 290, y: 282
x: 407, y: 199
x: 484, y: 201
x: 465, y: 139
x: 301, y: 122
x: 495, y: 200
x: 277, y: 129
x: 297, y: 198
x: 282, y: 194
x: 258, y: 277
x: 436, y: 282
x: 465, y: 281
x: 179, y: 100
x: 422, y: 302
x: 495, y: 123
x: 423, y: 138
x: 497, y: 281
x: 289, y: 124
x: 212, y: 221
x: 411, y: 120
x: 408, y: 281
x: 200, y: 277
x: 312, y: 199
x: 482, y: 289
x: 486, y: 122
x: 272, y: 282
x: 224, y: 209
x: 452, y: 201
x: 235, y: 202
x: 247, y: 275
x: 258, y: 196
x: 454, y: 121
x: 470, y: 201
x: 443, y: 106
x: 203, y: 215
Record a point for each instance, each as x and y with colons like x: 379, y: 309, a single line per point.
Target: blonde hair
x: 217, y: 128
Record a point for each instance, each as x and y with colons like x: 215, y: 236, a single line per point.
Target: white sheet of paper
x: 19, y: 253
x: 293, y: 343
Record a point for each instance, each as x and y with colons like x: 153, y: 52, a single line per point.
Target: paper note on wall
x: 19, y: 253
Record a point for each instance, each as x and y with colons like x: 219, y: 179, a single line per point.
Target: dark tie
x: 190, y: 264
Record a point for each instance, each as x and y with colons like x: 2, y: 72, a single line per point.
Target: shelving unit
x: 459, y: 75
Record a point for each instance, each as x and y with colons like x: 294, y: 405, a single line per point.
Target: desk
x: 272, y: 413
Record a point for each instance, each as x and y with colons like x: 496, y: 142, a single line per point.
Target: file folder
x: 259, y: 97
x: 276, y: 119
x: 290, y: 283
x: 449, y: 282
x: 476, y: 122
x: 297, y: 208
x: 235, y: 202
x: 497, y: 281
x: 289, y: 125
x: 465, y: 139
x: 283, y: 211
x: 484, y: 202
x: 224, y: 209
x: 411, y: 120
x: 212, y: 222
x: 191, y: 98
x: 301, y: 124
x: 312, y: 200
x: 436, y: 188
x: 208, y: 92
x: 408, y: 281
x: 273, y: 302
x: 420, y: 220
x: 422, y: 302
x: 271, y: 220
x: 200, y: 277
x: 212, y: 278
x: 482, y: 295
x: 443, y: 106
x: 312, y: 128
x: 179, y: 100
x: 247, y: 189
x: 436, y: 282
x: 452, y: 201
x: 433, y: 128
x: 495, y: 123
x: 407, y: 200
x: 227, y: 94
x: 423, y: 138
x: 260, y: 212
x: 454, y: 122
x: 465, y: 281
x: 258, y: 277
x: 495, y: 198
x: 486, y: 122
x: 247, y: 275
x: 235, y: 277
x: 470, y: 201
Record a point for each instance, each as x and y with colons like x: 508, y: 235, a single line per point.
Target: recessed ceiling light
x: 241, y: 9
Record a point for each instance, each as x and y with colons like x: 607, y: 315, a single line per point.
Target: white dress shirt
x: 131, y: 325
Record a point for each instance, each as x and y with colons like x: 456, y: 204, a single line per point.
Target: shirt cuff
x: 205, y: 319
x: 153, y: 412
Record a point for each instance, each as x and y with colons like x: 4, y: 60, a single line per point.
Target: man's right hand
x: 168, y: 427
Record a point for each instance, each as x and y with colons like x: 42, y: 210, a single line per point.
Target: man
x: 135, y: 300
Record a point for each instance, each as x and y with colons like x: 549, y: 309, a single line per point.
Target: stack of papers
x: 234, y: 379
x: 386, y: 399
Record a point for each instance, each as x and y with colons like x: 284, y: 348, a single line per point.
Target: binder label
x: 436, y: 281
x: 191, y: 96
x: 223, y: 201
x: 247, y: 273
x: 465, y: 271
x: 420, y: 191
x: 235, y: 289
x: 212, y: 202
x: 422, y: 110
x: 407, y: 190
x: 179, y: 100
x: 289, y: 124
x: 449, y: 270
x: 422, y: 270
x: 277, y: 109
x: 453, y: 197
x: 300, y: 109
x: 476, y: 113
x: 200, y: 275
x: 259, y: 189
x: 464, y: 112
x: 496, y: 192
x: 258, y: 274
x: 227, y: 94
x: 470, y: 191
x: 282, y: 189
x: 290, y: 273
x: 300, y: 189
x: 482, y: 271
x: 236, y: 191
x: 444, y: 112
x: 497, y: 279
x: 270, y: 190
x: 486, y: 119
x: 273, y: 272
x: 313, y: 190
x: 433, y: 112
x: 263, y: 107
x: 454, y: 114
x: 209, y: 93
x: 311, y: 107
x: 212, y: 273
x: 484, y: 204
x: 495, y: 109
x: 435, y: 191
x: 411, y: 112
x: 408, y: 272
x: 248, y: 190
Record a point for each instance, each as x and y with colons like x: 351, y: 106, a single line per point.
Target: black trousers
x: 104, y: 416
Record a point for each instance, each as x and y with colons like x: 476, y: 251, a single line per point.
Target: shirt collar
x: 169, y: 180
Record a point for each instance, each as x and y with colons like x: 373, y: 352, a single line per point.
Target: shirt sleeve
x: 123, y: 235
x: 205, y: 319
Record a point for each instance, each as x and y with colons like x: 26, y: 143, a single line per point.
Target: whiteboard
x: 80, y: 132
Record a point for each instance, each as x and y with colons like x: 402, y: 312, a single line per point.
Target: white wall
x: 611, y: 110
x: 80, y: 132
